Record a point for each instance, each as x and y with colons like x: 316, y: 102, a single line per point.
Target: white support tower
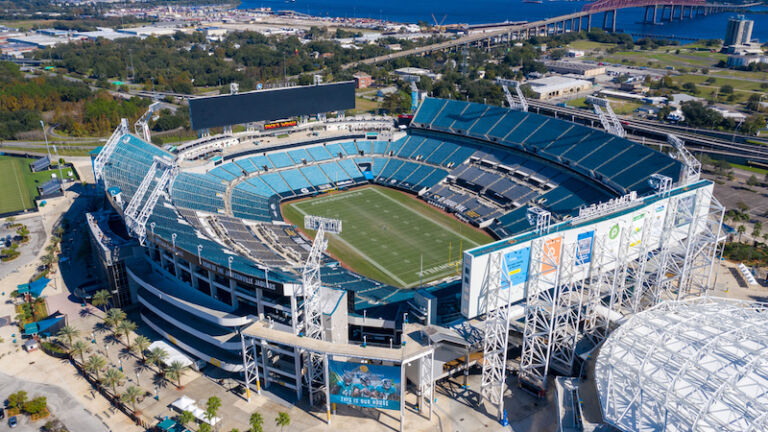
x: 142, y: 124
x: 108, y: 149
x: 540, y: 312
x: 521, y: 104
x: 691, y: 166
x: 250, y: 365
x: 311, y: 323
x: 496, y: 332
x: 567, y: 312
x: 138, y: 211
x: 610, y: 122
x: 412, y: 80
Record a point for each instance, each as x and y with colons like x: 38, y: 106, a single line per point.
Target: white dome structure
x: 695, y: 365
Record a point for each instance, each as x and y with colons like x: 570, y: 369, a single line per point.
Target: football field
x: 386, y: 234
x: 18, y: 185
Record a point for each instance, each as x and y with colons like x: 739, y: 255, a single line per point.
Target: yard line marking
x: 359, y: 252
x: 424, y: 217
x: 23, y: 201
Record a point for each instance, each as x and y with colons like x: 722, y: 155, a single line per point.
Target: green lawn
x: 18, y: 185
x: 386, y: 233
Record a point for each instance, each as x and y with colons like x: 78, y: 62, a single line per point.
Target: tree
x: 752, y: 180
x: 114, y: 317
x: 174, y: 371
x: 125, y: 327
x: 185, y: 418
x: 282, y: 420
x: 753, y: 124
x: 156, y: 356
x: 140, y: 344
x: 79, y: 348
x: 68, y: 332
x: 741, y: 230
x: 37, y: 405
x: 54, y: 425
x: 130, y: 395
x: 691, y: 87
x: 212, y: 406
x: 95, y: 364
x: 204, y: 427
x: 101, y: 298
x: 17, y: 400
x: 256, y: 422
x: 726, y: 89
x: 112, y: 378
x: 757, y: 228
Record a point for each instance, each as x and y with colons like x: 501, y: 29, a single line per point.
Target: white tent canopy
x: 186, y: 403
x: 173, y: 353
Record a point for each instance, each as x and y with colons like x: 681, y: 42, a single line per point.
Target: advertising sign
x: 370, y: 386
x: 584, y: 247
x: 280, y: 125
x: 551, y: 255
x: 516, y: 267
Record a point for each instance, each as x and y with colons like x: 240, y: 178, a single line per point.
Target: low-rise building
x: 557, y: 86
x: 576, y: 68
x: 363, y: 80
x: 745, y: 60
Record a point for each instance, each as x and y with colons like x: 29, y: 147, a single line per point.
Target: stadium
x: 281, y: 252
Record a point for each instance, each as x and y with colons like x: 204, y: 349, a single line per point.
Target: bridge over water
x: 654, y: 11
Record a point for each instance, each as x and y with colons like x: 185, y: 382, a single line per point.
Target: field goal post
x: 314, y: 223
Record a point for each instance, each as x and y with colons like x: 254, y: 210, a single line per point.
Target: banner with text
x: 363, y: 385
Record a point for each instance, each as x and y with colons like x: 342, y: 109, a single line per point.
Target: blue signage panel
x: 584, y: 248
x: 370, y: 386
x: 516, y: 267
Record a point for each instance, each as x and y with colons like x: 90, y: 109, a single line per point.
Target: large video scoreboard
x: 268, y: 105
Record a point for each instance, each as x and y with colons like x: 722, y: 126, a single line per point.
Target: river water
x: 488, y: 11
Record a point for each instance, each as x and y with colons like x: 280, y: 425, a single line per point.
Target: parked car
x: 12, y: 422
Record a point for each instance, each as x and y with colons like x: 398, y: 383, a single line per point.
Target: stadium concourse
x: 218, y: 271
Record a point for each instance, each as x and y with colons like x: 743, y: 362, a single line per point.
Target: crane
x: 522, y: 105
x: 439, y: 28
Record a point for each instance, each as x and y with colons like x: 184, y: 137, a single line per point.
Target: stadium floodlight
x: 139, y: 210
x: 521, y: 104
x: 142, y: 124
x: 691, y: 166
x: 610, y: 122
x: 539, y: 218
x: 660, y: 183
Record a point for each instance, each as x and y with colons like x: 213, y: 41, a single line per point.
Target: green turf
x: 386, y: 233
x: 18, y: 185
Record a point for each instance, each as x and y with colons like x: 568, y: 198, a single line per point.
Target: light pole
x: 58, y: 163
x: 199, y: 256
x: 45, y: 135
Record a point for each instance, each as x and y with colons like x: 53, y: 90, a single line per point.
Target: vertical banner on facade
x: 584, y: 250
x: 516, y: 267
x: 551, y: 255
x: 370, y: 386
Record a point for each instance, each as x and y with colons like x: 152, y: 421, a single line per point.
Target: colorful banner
x: 551, y: 255
x: 279, y: 125
x: 363, y: 385
x: 516, y: 267
x: 584, y: 243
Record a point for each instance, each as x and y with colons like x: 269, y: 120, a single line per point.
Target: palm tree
x: 185, y: 418
x: 101, y: 298
x: 282, y: 420
x: 256, y: 422
x: 741, y: 230
x: 130, y: 395
x: 47, y: 260
x: 69, y: 333
x: 174, y: 371
x: 112, y: 378
x: 126, y: 327
x: 157, y: 356
x: 140, y: 344
x: 79, y: 348
x: 114, y: 317
x: 95, y: 364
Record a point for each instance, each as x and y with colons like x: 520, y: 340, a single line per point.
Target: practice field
x: 18, y: 185
x: 386, y: 233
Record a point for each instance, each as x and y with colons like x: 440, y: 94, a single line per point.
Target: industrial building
x: 557, y: 86
x: 583, y: 69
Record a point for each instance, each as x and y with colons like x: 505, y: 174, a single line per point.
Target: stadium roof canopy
x: 700, y: 364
